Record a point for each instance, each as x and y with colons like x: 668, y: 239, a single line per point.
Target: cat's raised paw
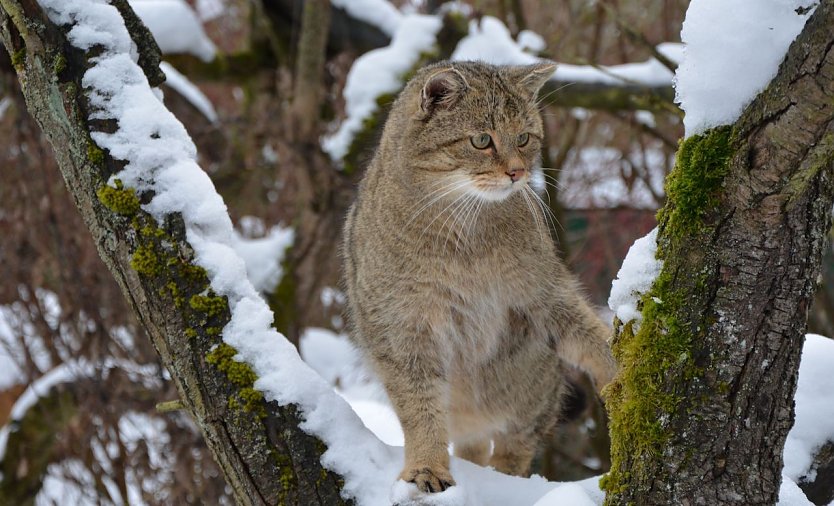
x: 429, y: 480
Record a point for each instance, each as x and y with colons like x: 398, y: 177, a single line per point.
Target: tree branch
x: 265, y: 457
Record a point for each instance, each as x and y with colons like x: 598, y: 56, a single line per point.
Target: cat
x: 456, y: 294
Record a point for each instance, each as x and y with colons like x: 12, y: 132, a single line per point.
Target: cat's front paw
x: 428, y: 480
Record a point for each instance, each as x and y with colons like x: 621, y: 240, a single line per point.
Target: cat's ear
x: 532, y: 77
x: 442, y: 90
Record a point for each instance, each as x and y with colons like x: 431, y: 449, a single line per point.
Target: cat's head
x: 475, y: 126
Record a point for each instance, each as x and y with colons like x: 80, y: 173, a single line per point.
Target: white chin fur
x: 494, y: 195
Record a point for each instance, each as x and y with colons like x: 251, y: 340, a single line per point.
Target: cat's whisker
x: 545, y: 216
x: 467, y: 212
x: 553, y: 92
x: 554, y: 222
x: 555, y: 188
x: 446, y: 186
x: 559, y: 187
x: 457, y: 200
x: 477, y: 214
x: 553, y: 180
x: 546, y: 193
x: 450, y: 188
x: 548, y: 185
x: 533, y: 213
x: 457, y: 227
x: 454, y: 213
x: 471, y: 209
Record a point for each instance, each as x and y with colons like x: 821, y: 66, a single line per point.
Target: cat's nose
x: 515, y: 173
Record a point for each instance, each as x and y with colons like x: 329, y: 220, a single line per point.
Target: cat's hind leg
x: 513, y: 453
x: 475, y: 451
x: 515, y: 446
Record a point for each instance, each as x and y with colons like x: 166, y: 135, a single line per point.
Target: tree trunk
x: 309, y: 68
x: 265, y: 457
x: 704, y: 400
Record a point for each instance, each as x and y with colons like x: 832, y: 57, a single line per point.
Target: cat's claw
x: 429, y: 481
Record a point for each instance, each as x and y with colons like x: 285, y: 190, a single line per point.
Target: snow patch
x: 189, y: 91
x: 791, y: 495
x: 407, y: 494
x: 531, y: 41
x: 489, y: 40
x: 379, y: 13
x: 209, y: 9
x: 263, y: 256
x: 733, y: 50
x: 635, y: 278
x: 814, y: 397
x: 569, y: 493
x: 175, y: 26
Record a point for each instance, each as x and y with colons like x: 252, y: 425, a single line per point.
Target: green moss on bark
x: 657, y: 355
x: 19, y: 58
x: 208, y: 304
x: 120, y: 200
x: 59, y: 64
x: 96, y: 155
x: 659, y: 358
x: 145, y: 262
x: 241, y: 375
x: 700, y: 166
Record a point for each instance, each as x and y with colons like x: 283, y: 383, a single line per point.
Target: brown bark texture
x: 704, y: 400
x: 265, y: 457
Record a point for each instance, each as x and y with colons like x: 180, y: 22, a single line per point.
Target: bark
x: 265, y: 457
x: 609, y: 97
x: 704, y: 400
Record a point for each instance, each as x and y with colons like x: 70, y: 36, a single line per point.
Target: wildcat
x: 456, y: 294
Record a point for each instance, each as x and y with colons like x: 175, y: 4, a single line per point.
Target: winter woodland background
x: 80, y: 383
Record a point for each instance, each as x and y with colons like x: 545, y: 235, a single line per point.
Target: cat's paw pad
x: 429, y: 480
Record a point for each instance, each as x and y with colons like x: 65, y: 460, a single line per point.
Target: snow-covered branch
x: 166, y: 236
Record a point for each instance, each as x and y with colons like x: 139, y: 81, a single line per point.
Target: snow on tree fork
x: 741, y: 237
x: 264, y: 455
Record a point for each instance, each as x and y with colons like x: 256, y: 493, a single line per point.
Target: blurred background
x: 284, y: 135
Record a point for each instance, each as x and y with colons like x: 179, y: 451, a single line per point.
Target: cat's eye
x: 522, y: 140
x: 481, y: 141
